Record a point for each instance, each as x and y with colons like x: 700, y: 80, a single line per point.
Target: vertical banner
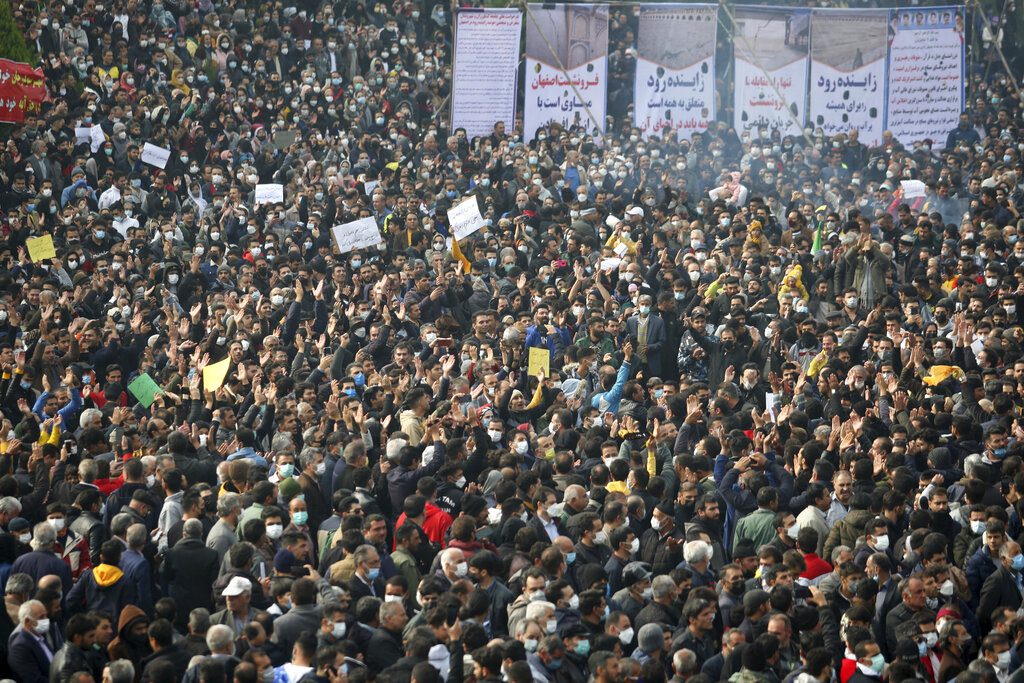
x: 566, y: 67
x: 848, y: 58
x: 22, y: 91
x: 771, y: 53
x: 486, y: 69
x: 926, y: 73
x: 674, y: 86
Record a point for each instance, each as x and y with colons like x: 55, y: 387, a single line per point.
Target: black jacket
x: 67, y: 661
x: 999, y: 590
x: 189, y: 569
x: 384, y: 650
x: 90, y: 527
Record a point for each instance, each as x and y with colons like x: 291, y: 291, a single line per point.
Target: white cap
x: 237, y: 586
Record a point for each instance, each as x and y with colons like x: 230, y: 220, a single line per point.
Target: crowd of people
x: 721, y: 408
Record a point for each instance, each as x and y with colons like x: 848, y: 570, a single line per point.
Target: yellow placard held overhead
x: 40, y: 248
x: 540, y: 359
x: 214, y: 374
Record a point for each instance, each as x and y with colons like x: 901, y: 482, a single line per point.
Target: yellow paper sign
x: 540, y: 359
x: 40, y: 248
x: 214, y: 375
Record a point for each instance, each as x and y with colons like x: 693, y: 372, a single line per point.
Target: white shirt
x: 110, y: 196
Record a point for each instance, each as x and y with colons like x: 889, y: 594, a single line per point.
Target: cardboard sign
x: 215, y: 374
x: 40, y: 248
x: 540, y: 359
x: 144, y: 389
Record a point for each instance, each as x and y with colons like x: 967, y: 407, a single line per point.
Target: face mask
x: 634, y: 547
x: 551, y: 626
x: 338, y: 630
x: 150, y: 480
x: 882, y: 543
x: 991, y: 281
x: 373, y: 573
x: 530, y: 644
x: 1002, y: 663
x: 922, y: 649
x: 43, y: 626
x: 57, y: 524
x: 274, y: 531
x: 626, y: 636
x: 582, y: 648
x: 851, y: 301
x: 645, y: 310
x: 601, y: 536
x: 1018, y: 562
x: 320, y: 469
x: 300, y: 518
x: 522, y: 447
x: 793, y: 531
x: 878, y: 663
x: 977, y: 525
x: 25, y: 538
x: 655, y: 523
x: 496, y: 435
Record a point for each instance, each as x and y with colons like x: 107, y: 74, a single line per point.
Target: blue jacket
x: 250, y: 454
x: 608, y: 401
x: 67, y: 413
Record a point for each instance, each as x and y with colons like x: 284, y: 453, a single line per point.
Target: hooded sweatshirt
x: 125, y: 646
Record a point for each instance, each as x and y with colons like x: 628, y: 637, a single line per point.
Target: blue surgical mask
x: 1018, y: 562
x: 373, y: 573
x: 351, y: 393
x: 556, y: 664
x: 25, y: 385
x: 570, y: 558
x: 300, y: 518
x: 999, y: 452
x: 582, y: 648
x: 360, y: 379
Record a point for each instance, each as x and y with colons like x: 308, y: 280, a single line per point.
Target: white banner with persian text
x: 486, y: 69
x: 674, y: 86
x: 566, y: 67
x: 771, y: 53
x: 848, y: 60
x: 926, y: 73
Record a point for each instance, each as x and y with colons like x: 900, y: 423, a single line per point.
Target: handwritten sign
x: 464, y: 219
x: 486, y: 67
x: 214, y: 374
x: 563, y: 84
x: 674, y: 81
x: 369, y: 186
x: 912, y: 189
x: 269, y: 193
x: 144, y: 389
x: 97, y: 138
x: 155, y: 156
x: 358, y: 234
x: 540, y: 359
x: 83, y: 134
x: 40, y: 248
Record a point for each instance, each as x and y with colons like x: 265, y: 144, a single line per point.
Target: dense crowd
x: 778, y: 438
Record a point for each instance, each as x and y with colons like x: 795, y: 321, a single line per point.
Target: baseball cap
x: 236, y: 587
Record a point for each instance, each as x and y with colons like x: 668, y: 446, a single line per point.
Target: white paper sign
x: 912, y: 189
x: 98, y: 138
x: 358, y: 234
x: 465, y: 219
x: 83, y: 135
x: 486, y: 69
x: 369, y: 186
x: 155, y: 156
x: 269, y: 193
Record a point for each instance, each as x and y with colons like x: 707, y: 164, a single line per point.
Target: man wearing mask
x: 1004, y: 587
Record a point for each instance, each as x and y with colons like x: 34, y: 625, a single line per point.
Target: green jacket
x: 758, y: 526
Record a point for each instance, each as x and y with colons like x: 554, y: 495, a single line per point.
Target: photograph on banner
x: 926, y: 74
x: 771, y: 50
x: 486, y: 70
x: 848, y: 58
x: 674, y: 84
x: 566, y: 67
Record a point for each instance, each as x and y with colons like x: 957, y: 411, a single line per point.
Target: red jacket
x: 435, y: 523
x: 815, y: 567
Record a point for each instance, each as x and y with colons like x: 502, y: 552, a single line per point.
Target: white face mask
x: 25, y: 538
x: 634, y: 547
x: 496, y: 435
x: 882, y: 543
x: 978, y: 526
x: 338, y: 630
x: 43, y: 626
x: 626, y: 636
x: 655, y: 523
x: 392, y: 598
x: 552, y: 625
x: 274, y: 531
x: 522, y: 447
x: 57, y: 524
